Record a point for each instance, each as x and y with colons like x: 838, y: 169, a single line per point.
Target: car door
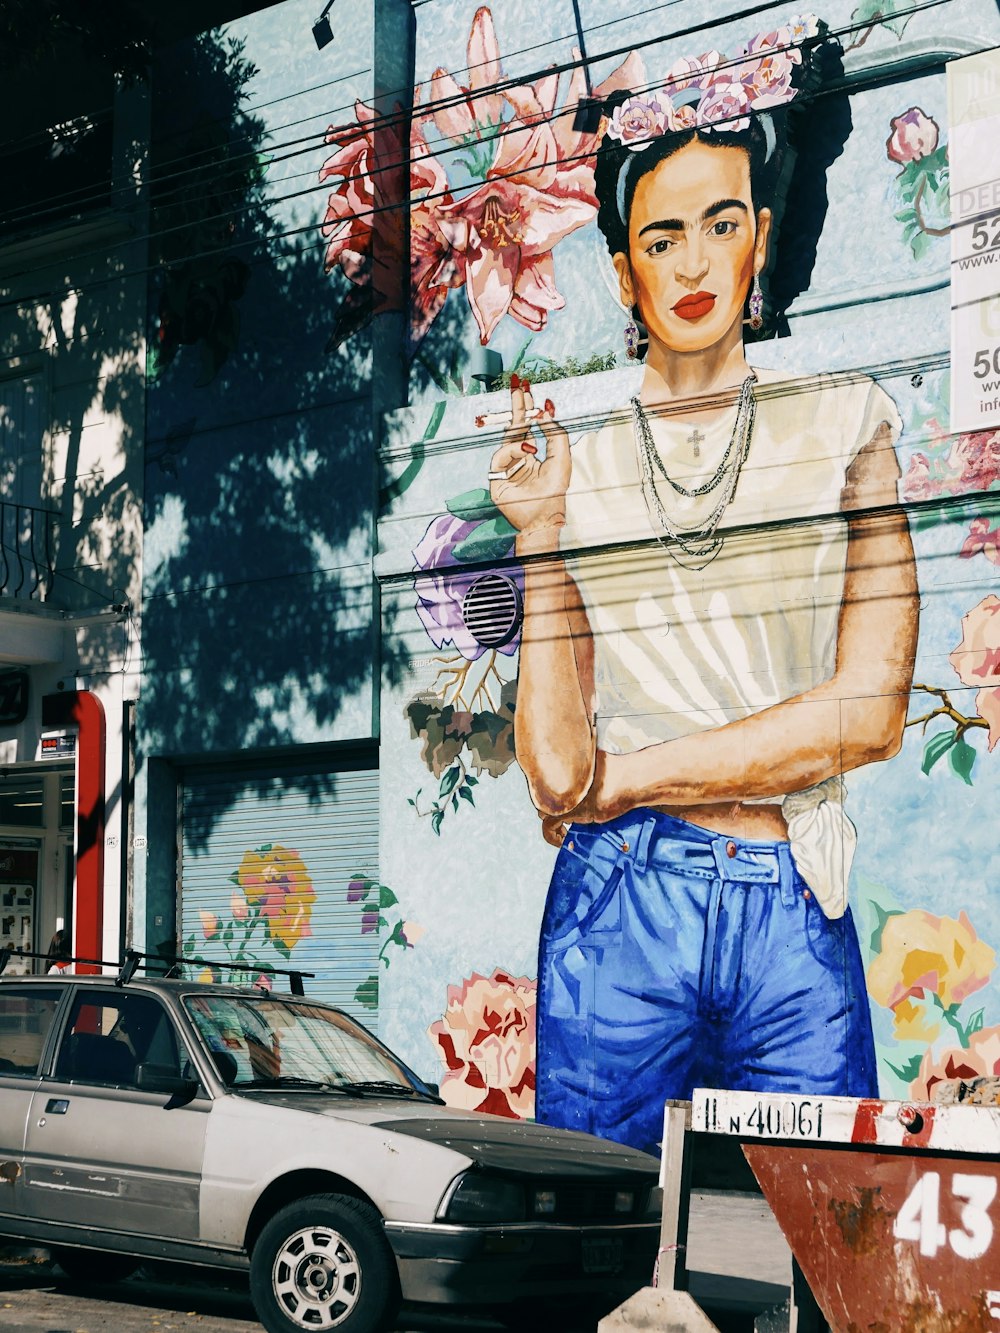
x: 101, y: 1152
x: 26, y: 1014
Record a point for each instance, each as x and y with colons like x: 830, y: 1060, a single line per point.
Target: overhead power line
x: 393, y: 120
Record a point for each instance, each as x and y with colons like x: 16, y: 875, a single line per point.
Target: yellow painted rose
x: 910, y: 1022
x: 275, y: 880
x: 923, y: 955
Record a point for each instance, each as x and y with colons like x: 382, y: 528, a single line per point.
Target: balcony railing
x: 27, y: 551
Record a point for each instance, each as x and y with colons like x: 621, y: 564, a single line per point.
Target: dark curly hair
x: 806, y: 136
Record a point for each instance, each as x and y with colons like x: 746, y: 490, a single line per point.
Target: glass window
x: 264, y: 1041
x: 67, y: 801
x: 111, y: 1033
x: 21, y: 802
x: 26, y: 1014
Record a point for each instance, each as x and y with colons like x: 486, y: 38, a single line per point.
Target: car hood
x: 507, y: 1145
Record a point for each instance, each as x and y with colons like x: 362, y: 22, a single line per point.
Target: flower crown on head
x: 713, y: 92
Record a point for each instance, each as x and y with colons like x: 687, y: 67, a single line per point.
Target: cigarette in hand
x: 504, y: 418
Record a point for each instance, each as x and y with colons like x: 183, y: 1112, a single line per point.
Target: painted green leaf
x: 367, y: 993
x: 281, y: 947
x: 466, y: 795
x: 449, y: 780
x: 436, y: 819
x: 227, y: 935
x: 974, y: 1025
x: 962, y: 758
x: 410, y: 801
x: 397, y: 936
x: 189, y: 944
x: 386, y: 897
x: 472, y: 506
x: 909, y: 1071
x: 491, y: 540
x: 266, y: 847
x: 882, y: 915
x: 936, y: 746
x: 234, y: 878
x: 471, y: 781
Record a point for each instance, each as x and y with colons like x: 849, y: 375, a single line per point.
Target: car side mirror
x: 180, y: 1088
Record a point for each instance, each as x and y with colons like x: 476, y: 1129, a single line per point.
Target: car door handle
x: 57, y: 1106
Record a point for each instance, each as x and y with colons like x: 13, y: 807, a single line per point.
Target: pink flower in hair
x: 640, y: 119
x: 725, y: 107
x: 692, y: 72
x: 768, y: 76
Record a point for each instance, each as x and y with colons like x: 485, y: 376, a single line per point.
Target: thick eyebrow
x: 674, y: 224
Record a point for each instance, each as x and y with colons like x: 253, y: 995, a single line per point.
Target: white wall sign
x: 974, y: 162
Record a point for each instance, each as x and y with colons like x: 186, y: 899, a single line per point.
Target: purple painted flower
x: 356, y: 890
x: 767, y: 74
x: 442, y: 589
x: 725, y: 107
x: 369, y: 923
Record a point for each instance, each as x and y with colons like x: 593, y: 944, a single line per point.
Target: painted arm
x: 854, y: 718
x: 554, y: 721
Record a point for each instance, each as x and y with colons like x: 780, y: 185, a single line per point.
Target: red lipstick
x: 694, y: 306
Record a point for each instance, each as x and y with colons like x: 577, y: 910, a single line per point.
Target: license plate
x: 603, y: 1254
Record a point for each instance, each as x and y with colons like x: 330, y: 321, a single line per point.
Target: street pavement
x: 738, y: 1260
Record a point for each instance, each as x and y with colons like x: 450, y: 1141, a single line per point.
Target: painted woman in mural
x: 692, y: 691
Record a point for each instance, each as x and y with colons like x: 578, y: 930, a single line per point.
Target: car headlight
x: 483, y: 1198
x: 654, y: 1203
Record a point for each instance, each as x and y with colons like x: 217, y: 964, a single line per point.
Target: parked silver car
x: 244, y: 1129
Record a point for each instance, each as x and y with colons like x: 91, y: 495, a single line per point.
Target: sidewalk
x: 738, y: 1261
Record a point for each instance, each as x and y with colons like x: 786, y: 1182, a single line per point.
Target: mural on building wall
x: 691, y: 709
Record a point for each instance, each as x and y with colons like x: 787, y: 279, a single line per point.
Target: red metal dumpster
x: 890, y: 1208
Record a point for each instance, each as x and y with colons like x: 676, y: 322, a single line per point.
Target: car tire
x: 323, y: 1263
x: 95, y: 1265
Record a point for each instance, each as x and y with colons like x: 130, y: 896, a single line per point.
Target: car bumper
x: 449, y: 1264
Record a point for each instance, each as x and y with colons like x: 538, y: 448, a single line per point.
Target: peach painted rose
x: 275, y: 880
x: 914, y: 135
x: 981, y: 1060
x: 210, y: 924
x: 238, y: 907
x: 977, y: 660
x: 486, y: 1038
x: 922, y: 955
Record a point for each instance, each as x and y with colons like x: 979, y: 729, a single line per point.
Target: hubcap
x: 317, y: 1278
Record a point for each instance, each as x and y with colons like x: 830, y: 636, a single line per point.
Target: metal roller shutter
x: 256, y: 847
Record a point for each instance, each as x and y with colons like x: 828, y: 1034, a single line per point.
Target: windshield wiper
x: 382, y: 1088
x: 288, y: 1081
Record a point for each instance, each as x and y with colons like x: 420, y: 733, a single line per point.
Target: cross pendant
x: 695, y: 439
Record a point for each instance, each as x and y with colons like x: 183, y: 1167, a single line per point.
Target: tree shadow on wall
x: 259, y: 618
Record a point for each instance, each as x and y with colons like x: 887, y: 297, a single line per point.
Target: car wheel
x: 323, y: 1263
x: 95, y: 1265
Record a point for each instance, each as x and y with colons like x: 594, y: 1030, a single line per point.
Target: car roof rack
x: 133, y: 960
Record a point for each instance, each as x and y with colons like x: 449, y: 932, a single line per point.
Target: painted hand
x: 531, y: 492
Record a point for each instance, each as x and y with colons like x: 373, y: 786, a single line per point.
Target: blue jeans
x: 672, y: 958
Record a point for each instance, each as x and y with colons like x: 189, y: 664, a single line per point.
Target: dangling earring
x: 636, y: 337
x: 631, y: 339
x: 756, y: 320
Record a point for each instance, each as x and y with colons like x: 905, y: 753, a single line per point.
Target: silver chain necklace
x: 701, y: 544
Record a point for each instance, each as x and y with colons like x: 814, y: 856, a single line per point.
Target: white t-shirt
x: 680, y: 650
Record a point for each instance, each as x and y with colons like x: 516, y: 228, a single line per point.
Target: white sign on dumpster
x: 974, y: 163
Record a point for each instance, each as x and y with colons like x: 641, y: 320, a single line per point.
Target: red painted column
x: 83, y: 710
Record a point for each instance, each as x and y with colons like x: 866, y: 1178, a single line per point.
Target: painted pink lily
x: 539, y: 186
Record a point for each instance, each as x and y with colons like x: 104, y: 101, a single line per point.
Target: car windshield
x: 267, y: 1043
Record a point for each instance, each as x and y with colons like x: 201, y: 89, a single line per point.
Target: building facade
x: 301, y: 600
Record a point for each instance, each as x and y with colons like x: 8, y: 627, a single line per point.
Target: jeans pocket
x: 584, y: 901
x: 825, y: 937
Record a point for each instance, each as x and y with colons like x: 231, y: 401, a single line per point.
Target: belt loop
x: 786, y: 875
x: 641, y: 854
